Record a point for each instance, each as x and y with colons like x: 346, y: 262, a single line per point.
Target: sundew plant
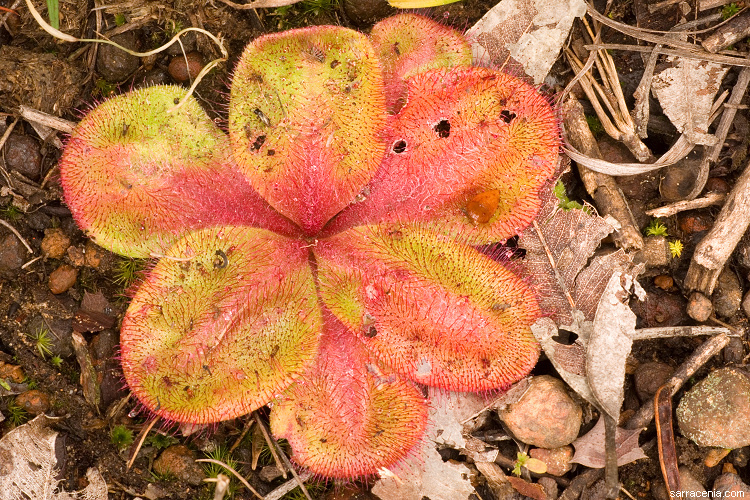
x: 320, y: 256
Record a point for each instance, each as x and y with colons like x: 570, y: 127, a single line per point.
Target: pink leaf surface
x: 349, y: 416
x: 436, y: 311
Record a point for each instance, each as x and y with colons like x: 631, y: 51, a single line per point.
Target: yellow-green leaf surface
x: 224, y: 322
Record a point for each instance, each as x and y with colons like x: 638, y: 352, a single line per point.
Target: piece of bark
x: 713, y: 251
x: 89, y: 380
x: 710, y: 4
x: 734, y: 30
x: 603, y: 188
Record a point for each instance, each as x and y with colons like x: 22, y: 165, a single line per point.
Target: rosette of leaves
x: 321, y: 255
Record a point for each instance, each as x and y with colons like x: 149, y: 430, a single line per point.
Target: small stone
x: 664, y: 281
x: 156, y: 76
x: 649, y: 377
x: 269, y: 473
x: 678, y: 180
x: 189, y: 42
x: 76, y: 255
x: 556, y: 459
x: 11, y: 372
x: 655, y: 252
x: 55, y: 243
x: 183, y: 71
x: 727, y: 296
x: 660, y: 309
x: 114, y: 64
x: 716, y: 185
x: 35, y: 402
x: 12, y: 253
x: 730, y: 486
x: 179, y: 461
x: 714, y: 412
x: 23, y: 154
x: 695, y: 223
x: 545, y: 416
x: 734, y: 351
x: 97, y: 257
x: 550, y: 487
x: 62, y: 278
x: 699, y: 307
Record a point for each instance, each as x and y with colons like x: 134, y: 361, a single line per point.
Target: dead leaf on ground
x: 689, y: 77
x: 434, y: 478
x: 28, y: 465
x: 526, y: 32
x: 590, y: 450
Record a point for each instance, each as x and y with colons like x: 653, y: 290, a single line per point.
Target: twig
x: 602, y: 188
x: 700, y: 356
x: 612, y: 484
x: 273, y: 444
x: 665, y: 439
x: 270, y: 442
x: 18, y: 235
x: 665, y: 332
x: 715, y: 248
x: 53, y: 122
x: 237, y: 474
x: 734, y: 30
x: 141, y: 438
x: 709, y: 200
x: 581, y: 482
x: 287, y: 486
x: 8, y: 130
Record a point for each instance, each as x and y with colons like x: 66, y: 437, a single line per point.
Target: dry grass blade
x: 236, y: 474
x: 616, y: 121
x: 141, y: 438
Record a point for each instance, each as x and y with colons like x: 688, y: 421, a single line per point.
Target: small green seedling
x: 56, y: 361
x: 729, y: 10
x: 121, y: 437
x: 675, y: 248
x: 126, y: 270
x: 161, y: 441
x: 532, y: 464
x: 17, y: 415
x: 42, y: 340
x: 565, y: 202
x: 656, y: 228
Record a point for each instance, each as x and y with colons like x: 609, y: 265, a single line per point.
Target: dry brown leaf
x: 434, y: 478
x: 590, y: 447
x: 28, y: 465
x: 689, y: 77
x: 526, y: 32
x: 527, y: 489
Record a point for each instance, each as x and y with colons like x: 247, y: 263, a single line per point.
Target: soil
x: 66, y: 288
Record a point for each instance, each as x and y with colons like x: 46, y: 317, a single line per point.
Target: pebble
x: 694, y: 223
x: 678, y: 180
x: 97, y: 257
x: 156, y: 76
x: 114, y: 64
x: 23, y: 154
x: 716, y: 185
x: 699, y: 307
x: 664, y: 281
x: 727, y: 296
x: 556, y: 459
x: 12, y: 372
x: 12, y: 253
x: 62, y: 278
x: 182, y: 71
x: 730, y: 486
x: 545, y: 416
x: 550, y: 487
x: 76, y: 255
x: 660, y: 309
x: 179, y: 461
x: 365, y: 13
x: 648, y: 377
x: 189, y: 42
x: 714, y: 412
x: 35, y: 402
x: 691, y: 487
x: 655, y: 252
x: 55, y: 243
